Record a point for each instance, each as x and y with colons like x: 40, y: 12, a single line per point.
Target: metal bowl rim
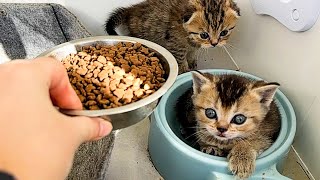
x: 173, y: 66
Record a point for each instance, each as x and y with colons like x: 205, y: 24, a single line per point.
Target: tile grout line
x: 302, y: 164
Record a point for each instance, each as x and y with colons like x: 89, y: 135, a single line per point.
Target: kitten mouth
x: 221, y: 137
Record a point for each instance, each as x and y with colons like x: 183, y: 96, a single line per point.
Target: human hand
x: 36, y: 140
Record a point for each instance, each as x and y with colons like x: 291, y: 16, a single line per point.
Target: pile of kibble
x: 109, y: 76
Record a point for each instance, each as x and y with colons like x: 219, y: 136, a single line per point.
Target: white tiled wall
x: 265, y: 48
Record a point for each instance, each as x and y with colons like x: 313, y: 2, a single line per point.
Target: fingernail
x: 104, y: 128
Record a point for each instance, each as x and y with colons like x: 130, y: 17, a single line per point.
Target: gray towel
x: 26, y: 30
x: 29, y: 29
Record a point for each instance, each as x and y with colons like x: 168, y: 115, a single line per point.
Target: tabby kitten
x: 231, y: 116
x: 181, y: 26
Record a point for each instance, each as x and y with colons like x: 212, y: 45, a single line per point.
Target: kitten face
x: 230, y: 106
x: 212, y: 22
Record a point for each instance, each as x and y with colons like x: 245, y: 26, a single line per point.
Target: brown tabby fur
x: 177, y: 24
x: 229, y: 95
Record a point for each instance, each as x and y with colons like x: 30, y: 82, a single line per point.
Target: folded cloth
x: 26, y: 30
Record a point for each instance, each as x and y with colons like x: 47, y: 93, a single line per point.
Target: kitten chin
x: 234, y: 117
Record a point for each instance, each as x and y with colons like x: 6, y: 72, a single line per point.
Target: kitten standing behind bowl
x: 181, y: 26
x: 229, y: 115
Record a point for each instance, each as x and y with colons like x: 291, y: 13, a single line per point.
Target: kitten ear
x: 266, y: 92
x: 235, y: 7
x: 188, y: 14
x: 198, y: 81
x: 236, y: 13
x: 198, y: 4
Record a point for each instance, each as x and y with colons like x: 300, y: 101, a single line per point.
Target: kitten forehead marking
x: 214, y: 12
x: 230, y: 88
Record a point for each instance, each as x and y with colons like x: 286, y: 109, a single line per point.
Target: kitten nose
x: 222, y: 129
x: 214, y: 44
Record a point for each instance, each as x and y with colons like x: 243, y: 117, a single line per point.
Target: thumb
x: 89, y: 129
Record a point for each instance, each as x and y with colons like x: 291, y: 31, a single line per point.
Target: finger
x: 60, y: 89
x: 89, y: 129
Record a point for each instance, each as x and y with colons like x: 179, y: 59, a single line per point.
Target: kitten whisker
x: 232, y: 46
x: 203, y: 50
x: 199, y: 137
x: 194, y: 127
x: 193, y: 134
x: 207, y: 54
x: 234, y: 62
x: 197, y: 54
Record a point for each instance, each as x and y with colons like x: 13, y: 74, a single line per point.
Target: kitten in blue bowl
x: 230, y: 116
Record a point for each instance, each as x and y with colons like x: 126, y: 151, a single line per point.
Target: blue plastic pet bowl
x: 175, y: 160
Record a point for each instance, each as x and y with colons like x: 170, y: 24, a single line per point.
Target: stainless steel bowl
x: 132, y: 113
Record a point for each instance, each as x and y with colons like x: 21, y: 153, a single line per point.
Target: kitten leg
x: 242, y: 159
x: 180, y: 53
x: 183, y: 67
x: 192, y: 62
x: 243, y: 155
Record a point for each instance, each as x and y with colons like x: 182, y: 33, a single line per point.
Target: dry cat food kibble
x: 108, y: 76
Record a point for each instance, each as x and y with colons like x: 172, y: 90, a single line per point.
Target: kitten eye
x: 224, y: 33
x: 204, y: 35
x: 239, y: 119
x: 211, y: 114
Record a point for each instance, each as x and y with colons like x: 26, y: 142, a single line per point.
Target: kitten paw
x: 242, y: 162
x: 213, y: 151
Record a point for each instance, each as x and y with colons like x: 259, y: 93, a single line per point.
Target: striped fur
x: 177, y: 25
